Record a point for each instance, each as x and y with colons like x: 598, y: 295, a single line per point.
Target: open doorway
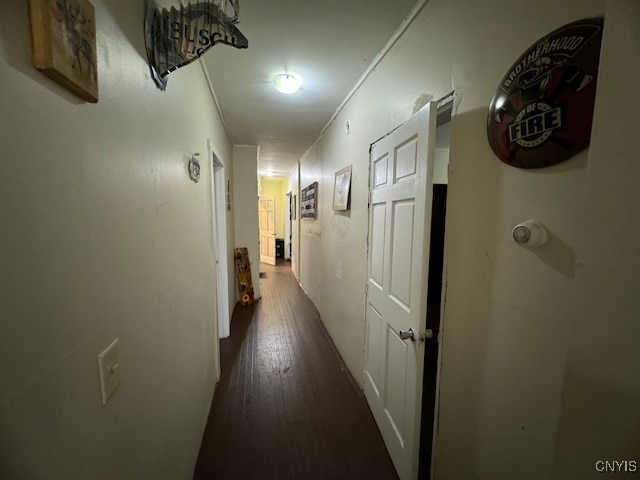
x: 408, y: 192
x: 273, y: 219
x: 435, y: 292
x: 288, y: 226
x: 219, y: 237
x: 401, y: 168
x: 292, y: 241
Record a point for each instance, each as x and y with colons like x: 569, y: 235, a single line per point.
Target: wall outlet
x: 109, y: 365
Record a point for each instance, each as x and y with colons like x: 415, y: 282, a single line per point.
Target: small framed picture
x: 342, y: 189
x: 308, y: 202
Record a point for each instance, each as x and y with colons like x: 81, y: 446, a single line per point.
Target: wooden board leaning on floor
x: 243, y: 274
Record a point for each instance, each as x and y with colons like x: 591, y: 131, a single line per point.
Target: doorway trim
x: 444, y: 115
x: 219, y: 237
x: 288, y: 226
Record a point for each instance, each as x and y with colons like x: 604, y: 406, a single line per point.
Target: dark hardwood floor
x: 286, y: 407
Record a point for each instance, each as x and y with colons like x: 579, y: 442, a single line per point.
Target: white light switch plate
x: 109, y: 371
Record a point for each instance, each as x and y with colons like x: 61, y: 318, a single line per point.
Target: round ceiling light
x: 286, y: 83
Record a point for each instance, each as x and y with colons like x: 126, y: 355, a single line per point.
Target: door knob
x: 405, y: 334
x: 426, y: 335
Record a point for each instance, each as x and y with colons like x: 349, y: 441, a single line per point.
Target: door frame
x: 219, y: 238
x: 444, y: 115
x: 404, y: 451
x: 295, y: 223
x: 288, y: 226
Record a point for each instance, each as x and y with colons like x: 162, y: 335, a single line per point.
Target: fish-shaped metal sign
x: 178, y: 36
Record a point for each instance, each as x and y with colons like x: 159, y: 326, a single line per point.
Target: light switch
x: 109, y: 371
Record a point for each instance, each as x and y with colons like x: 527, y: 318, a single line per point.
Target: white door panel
x: 406, y: 159
x: 266, y: 218
x: 401, y: 172
x: 380, y: 167
x: 374, y: 337
x: 401, y: 252
x: 378, y: 226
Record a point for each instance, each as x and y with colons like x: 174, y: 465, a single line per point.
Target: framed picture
x: 309, y: 202
x: 64, y: 44
x: 342, y: 189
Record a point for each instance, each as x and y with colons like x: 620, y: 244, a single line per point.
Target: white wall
x: 311, y: 253
x: 103, y: 235
x: 245, y: 210
x: 512, y: 315
x: 599, y: 413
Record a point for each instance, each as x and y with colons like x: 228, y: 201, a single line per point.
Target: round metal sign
x: 541, y: 113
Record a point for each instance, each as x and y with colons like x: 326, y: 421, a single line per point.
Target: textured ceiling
x: 327, y: 43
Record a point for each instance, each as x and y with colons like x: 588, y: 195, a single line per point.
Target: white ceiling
x: 327, y: 43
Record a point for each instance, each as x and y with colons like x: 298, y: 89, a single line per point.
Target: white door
x: 401, y: 170
x: 266, y: 208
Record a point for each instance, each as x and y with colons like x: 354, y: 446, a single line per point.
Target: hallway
x: 286, y: 407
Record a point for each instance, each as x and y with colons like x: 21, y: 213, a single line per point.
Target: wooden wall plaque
x: 64, y: 44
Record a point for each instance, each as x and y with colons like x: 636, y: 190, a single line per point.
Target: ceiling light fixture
x: 286, y: 83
